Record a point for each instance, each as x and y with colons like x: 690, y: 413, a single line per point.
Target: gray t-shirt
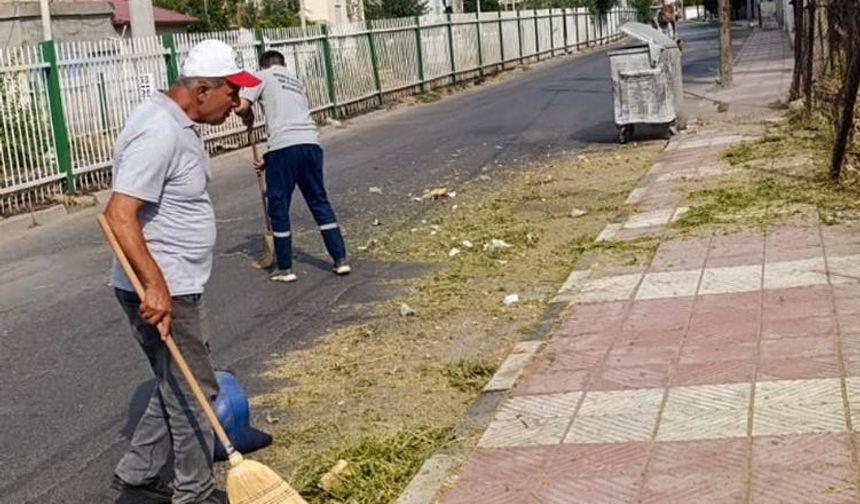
x: 159, y: 158
x: 288, y: 118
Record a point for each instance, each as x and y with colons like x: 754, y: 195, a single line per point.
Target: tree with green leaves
x: 643, y: 10
x: 552, y: 4
x: 711, y: 6
x: 486, y: 5
x: 602, y: 7
x: 272, y: 14
x: 382, y: 9
x: 216, y: 15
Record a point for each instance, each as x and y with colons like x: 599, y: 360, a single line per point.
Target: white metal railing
x: 64, y: 139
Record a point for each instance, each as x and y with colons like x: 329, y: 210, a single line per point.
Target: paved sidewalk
x: 727, y: 370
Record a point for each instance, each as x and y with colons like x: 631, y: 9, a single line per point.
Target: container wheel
x: 624, y: 133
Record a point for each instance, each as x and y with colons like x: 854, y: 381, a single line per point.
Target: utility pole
x: 45, y: 10
x: 141, y: 17
x: 725, y: 44
x: 303, y: 18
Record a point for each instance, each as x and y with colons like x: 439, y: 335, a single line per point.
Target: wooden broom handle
x: 256, y: 157
x: 171, y: 345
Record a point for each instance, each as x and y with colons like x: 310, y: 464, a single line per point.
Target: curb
x: 16, y: 225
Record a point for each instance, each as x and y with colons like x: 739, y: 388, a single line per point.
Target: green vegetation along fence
x: 62, y: 105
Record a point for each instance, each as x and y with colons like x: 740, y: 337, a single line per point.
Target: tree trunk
x: 797, y: 76
x: 810, y: 55
x: 725, y: 44
x: 848, y: 96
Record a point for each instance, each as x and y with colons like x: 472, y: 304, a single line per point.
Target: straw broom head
x: 250, y: 482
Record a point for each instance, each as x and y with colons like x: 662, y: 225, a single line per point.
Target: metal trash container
x: 647, y: 84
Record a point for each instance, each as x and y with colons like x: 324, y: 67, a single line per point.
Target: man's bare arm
x: 156, y: 307
x: 245, y: 110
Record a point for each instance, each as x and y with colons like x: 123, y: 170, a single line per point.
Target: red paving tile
x: 847, y: 292
x: 651, y: 337
x: 623, y: 378
x: 710, y: 373
x: 695, y: 353
x: 730, y: 331
x: 798, y: 368
x: 621, y: 490
x: 798, y: 302
x: 659, y: 314
x: 735, y: 260
x: 557, y: 355
x: 552, y: 381
x: 594, y: 460
x: 724, y: 487
x: 641, y: 356
x: 809, y: 327
x: 808, y: 468
x: 505, y: 464
x: 741, y: 303
x: 793, y: 253
x: 585, y: 342
x: 801, y: 451
x: 586, y: 317
x: 495, y: 493
x: 798, y: 347
x: 680, y: 255
x: 849, y: 322
x: 840, y: 235
x: 737, y: 245
x: 718, y: 455
x: 781, y: 237
x: 830, y: 485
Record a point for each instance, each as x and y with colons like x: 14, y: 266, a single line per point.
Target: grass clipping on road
x: 385, y: 394
x: 775, y: 178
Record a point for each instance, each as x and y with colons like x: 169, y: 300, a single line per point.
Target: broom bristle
x: 267, y: 258
x: 251, y: 482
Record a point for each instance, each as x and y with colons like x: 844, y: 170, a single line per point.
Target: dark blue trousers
x: 286, y: 168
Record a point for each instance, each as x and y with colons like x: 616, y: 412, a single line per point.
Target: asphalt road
x: 71, y: 379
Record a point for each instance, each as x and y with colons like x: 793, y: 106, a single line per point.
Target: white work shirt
x: 288, y: 118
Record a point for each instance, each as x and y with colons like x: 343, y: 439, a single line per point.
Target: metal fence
x: 63, y: 104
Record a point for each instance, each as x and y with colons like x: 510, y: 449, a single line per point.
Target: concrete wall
x: 21, y: 23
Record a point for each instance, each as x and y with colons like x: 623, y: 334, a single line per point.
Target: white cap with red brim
x: 215, y: 59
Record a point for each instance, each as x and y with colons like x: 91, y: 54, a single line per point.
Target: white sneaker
x: 342, y: 268
x: 285, y: 276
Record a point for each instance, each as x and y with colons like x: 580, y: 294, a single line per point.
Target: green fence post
x: 373, y: 61
x: 576, y: 27
x: 170, y: 58
x: 551, y: 35
x: 260, y: 44
x: 451, y: 50
x: 537, y: 36
x: 420, y: 52
x: 520, y: 35
x: 564, y: 28
x: 587, y: 36
x: 58, y: 117
x: 329, y: 70
x: 480, y: 44
x: 501, y: 40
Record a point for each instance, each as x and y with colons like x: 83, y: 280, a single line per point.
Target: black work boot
x: 155, y: 491
x: 216, y: 497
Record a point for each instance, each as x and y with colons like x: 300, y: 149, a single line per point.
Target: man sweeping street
x: 163, y: 219
x: 294, y: 157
